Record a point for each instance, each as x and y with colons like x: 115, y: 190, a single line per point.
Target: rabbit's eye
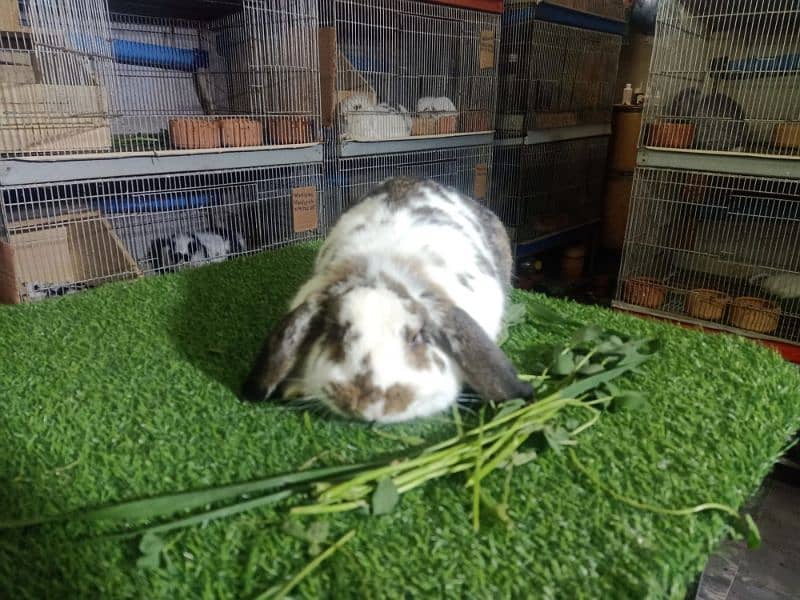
x: 418, y: 339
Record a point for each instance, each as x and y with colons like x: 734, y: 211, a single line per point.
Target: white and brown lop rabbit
x: 404, y: 306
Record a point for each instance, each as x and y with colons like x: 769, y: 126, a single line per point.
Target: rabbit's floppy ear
x: 279, y: 353
x: 486, y: 368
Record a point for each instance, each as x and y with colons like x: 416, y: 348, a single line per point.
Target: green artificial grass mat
x: 126, y: 391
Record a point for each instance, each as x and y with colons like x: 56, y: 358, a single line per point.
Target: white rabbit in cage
x: 783, y: 285
x: 437, y: 104
x: 365, y: 120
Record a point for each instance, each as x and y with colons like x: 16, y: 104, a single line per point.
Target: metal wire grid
x: 554, y: 76
x: 247, y: 75
x: 55, y: 76
x: 83, y: 233
x: 724, y: 77
x: 468, y: 169
x: 736, y: 236
x: 407, y: 68
x: 545, y: 188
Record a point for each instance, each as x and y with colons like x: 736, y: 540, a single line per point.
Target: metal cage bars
x: 552, y: 75
x: 724, y: 77
x: 408, y: 68
x: 86, y: 80
x: 467, y: 169
x: 545, y: 188
x: 76, y: 234
x: 717, y: 248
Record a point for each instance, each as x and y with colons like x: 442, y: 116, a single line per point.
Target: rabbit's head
x: 382, y: 345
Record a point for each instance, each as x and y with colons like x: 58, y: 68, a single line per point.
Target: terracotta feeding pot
x: 289, y: 130
x: 664, y: 134
x: 192, y: 133
x: 754, y: 314
x: 475, y: 120
x: 433, y: 125
x: 786, y: 135
x: 572, y: 263
x: 706, y: 304
x: 644, y: 291
x: 241, y: 132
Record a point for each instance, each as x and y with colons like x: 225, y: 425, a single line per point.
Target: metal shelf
x: 554, y: 240
x: 555, y: 134
x: 559, y: 134
x: 37, y: 170
x: 733, y: 163
x: 414, y: 144
x: 509, y: 141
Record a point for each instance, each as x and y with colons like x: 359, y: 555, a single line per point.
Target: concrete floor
x: 773, y: 571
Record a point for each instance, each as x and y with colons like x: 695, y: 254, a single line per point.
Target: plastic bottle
x: 627, y: 94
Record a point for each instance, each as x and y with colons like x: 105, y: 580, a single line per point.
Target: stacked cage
x: 558, y: 66
x: 554, y: 75
x: 122, y: 76
x: 407, y: 68
x: 714, y: 225
x: 414, y: 93
x: 185, y: 83
x: 549, y: 188
x: 468, y: 170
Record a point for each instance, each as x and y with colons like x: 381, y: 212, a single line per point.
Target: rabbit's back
x: 455, y: 245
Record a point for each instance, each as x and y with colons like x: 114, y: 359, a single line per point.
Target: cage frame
x: 550, y: 183
x: 579, y: 98
x: 474, y: 77
x: 690, y: 231
x: 468, y: 169
x: 169, y: 77
x: 239, y: 211
x: 733, y: 90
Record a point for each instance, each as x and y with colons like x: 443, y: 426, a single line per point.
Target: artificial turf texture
x: 126, y: 391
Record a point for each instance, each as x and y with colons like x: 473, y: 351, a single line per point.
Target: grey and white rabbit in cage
x: 721, y: 125
x: 363, y: 119
x: 212, y: 245
x: 405, y: 304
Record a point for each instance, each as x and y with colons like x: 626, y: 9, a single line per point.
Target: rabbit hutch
x: 712, y: 236
x: 557, y: 70
x: 117, y: 123
x: 549, y: 188
x: 67, y: 236
x: 468, y: 170
x: 405, y: 68
x: 134, y: 76
x: 558, y: 66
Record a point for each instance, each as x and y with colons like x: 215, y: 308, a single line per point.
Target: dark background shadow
x: 225, y: 311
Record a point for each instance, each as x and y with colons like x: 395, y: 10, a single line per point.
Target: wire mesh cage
x: 72, y: 235
x: 552, y: 75
x: 724, y: 77
x: 467, y: 169
x: 546, y: 188
x: 146, y: 75
x: 407, y: 68
x: 56, y: 75
x: 715, y: 248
